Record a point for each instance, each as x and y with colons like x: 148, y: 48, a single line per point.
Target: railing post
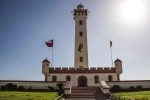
x: 67, y: 89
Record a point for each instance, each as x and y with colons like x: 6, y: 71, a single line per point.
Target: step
x: 82, y: 91
x: 85, y: 88
x: 81, y: 96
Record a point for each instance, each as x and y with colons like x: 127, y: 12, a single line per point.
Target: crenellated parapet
x: 83, y: 70
x: 80, y: 12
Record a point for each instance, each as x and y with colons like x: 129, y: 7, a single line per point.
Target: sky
x: 25, y: 26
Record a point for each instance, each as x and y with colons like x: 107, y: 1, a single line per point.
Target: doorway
x: 82, y: 81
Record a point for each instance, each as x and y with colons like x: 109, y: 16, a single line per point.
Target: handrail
x: 104, y: 87
x: 59, y: 97
x: 67, y: 88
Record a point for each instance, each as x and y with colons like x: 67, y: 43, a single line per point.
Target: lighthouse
x: 81, y: 46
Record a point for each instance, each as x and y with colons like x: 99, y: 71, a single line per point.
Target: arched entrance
x: 82, y: 81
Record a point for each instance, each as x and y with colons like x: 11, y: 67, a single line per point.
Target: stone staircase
x: 86, y: 93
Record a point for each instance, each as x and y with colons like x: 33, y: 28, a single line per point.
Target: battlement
x: 80, y: 12
x: 83, y: 70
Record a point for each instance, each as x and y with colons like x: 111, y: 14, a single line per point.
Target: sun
x: 132, y: 11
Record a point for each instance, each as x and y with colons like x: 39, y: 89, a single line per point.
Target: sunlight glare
x: 132, y: 11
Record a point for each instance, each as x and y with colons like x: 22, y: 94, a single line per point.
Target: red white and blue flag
x: 49, y: 43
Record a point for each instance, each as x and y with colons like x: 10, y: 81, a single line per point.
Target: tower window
x: 81, y: 45
x: 68, y: 78
x: 81, y: 59
x: 80, y: 22
x: 110, y: 77
x: 81, y: 67
x: 96, y: 79
x: 54, y: 78
x: 80, y: 34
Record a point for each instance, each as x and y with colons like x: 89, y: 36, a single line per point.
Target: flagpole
x: 111, y: 52
x: 52, y: 58
x: 52, y: 54
x: 111, y: 57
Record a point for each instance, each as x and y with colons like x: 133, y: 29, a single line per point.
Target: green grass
x: 134, y: 95
x: 28, y: 95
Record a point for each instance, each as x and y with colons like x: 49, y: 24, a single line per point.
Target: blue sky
x: 26, y: 24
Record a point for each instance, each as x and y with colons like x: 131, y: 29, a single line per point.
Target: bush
x: 115, y: 88
x: 59, y: 85
x: 51, y: 88
x: 139, y: 88
x: 21, y: 87
x: 30, y: 88
x: 11, y: 86
x: 2, y: 87
x: 132, y: 88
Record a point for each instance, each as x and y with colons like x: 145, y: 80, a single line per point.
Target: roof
x: 80, y: 6
x: 118, y: 60
x: 46, y: 60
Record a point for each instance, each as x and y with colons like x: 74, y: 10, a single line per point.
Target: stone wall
x: 127, y: 84
x: 33, y: 84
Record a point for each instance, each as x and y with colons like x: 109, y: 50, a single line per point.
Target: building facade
x: 81, y: 74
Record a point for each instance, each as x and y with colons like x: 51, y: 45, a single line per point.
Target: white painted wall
x: 82, y: 40
x: 127, y: 84
x: 90, y: 78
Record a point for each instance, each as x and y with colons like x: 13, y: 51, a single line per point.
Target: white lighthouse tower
x: 81, y: 47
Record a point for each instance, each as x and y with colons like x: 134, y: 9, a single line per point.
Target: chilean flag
x: 49, y: 43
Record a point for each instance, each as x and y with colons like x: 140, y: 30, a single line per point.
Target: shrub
x: 11, y: 86
x: 51, y: 88
x: 115, y: 88
x: 132, y: 88
x: 2, y: 87
x: 21, y: 87
x: 59, y: 85
x: 139, y: 88
x: 30, y: 88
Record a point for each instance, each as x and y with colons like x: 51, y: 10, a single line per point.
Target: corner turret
x: 118, y: 66
x: 45, y: 66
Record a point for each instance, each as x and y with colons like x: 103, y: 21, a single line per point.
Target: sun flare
x: 132, y: 11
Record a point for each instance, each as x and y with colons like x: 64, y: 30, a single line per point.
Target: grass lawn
x: 28, y: 95
x: 134, y: 95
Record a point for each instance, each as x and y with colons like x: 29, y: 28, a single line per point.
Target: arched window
x: 110, y: 78
x: 80, y: 34
x: 54, y: 78
x: 80, y: 22
x: 81, y: 59
x: 68, y: 78
x: 81, y: 45
x: 96, y: 79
